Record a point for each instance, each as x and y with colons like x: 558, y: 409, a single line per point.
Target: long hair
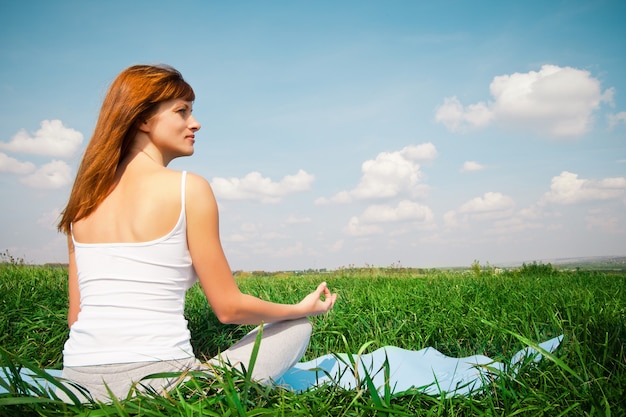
x: 132, y: 98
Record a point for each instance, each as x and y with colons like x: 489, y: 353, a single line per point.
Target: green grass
x: 460, y: 314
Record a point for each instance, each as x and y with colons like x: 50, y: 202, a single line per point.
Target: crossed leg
x: 282, y: 345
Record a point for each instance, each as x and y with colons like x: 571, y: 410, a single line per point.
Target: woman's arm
x: 227, y: 301
x: 73, y: 290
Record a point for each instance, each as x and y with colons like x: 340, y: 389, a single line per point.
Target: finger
x: 322, y: 289
x: 329, y: 302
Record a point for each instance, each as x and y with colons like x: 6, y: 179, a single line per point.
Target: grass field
x: 479, y: 311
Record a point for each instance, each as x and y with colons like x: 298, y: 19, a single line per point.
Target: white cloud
x: 405, y: 210
x: 616, y: 119
x: 489, y: 202
x: 458, y: 118
x: 472, y: 166
x: 490, y: 206
x: 55, y: 174
x: 567, y: 188
x: 508, y: 226
x: 52, y: 139
x: 389, y: 175
x: 450, y: 219
x: 256, y: 187
x: 386, y: 176
x: 531, y: 216
x: 422, y: 152
x: 13, y: 166
x: 357, y: 228
x: 535, y: 211
x: 342, y: 197
x: 557, y: 101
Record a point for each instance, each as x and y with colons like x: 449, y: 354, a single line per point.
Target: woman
x: 140, y: 234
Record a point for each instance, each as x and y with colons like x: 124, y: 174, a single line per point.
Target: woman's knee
x: 296, y: 331
x: 303, y: 326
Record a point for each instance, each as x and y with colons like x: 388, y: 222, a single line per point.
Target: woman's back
x: 133, y: 273
x: 144, y: 205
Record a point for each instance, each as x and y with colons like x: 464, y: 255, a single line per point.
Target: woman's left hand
x: 319, y: 301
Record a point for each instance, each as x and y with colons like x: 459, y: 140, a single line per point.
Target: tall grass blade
x: 17, y: 386
x: 538, y: 348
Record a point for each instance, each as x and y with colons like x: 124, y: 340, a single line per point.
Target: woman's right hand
x: 319, y: 301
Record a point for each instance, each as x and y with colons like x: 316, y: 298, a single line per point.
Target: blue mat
x: 426, y: 370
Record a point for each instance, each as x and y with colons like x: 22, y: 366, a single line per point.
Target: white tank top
x: 132, y: 298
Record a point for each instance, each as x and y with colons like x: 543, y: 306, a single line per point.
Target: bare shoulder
x: 198, y: 186
x: 199, y: 192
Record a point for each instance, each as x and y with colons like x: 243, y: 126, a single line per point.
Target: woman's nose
x: 194, y: 125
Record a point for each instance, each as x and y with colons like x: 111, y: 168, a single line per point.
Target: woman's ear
x: 143, y: 125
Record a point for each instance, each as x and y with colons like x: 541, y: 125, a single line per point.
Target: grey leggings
x: 282, y: 345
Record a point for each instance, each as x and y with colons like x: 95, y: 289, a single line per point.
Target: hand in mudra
x: 319, y: 301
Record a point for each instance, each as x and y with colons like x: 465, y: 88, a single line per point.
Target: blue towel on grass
x: 426, y: 370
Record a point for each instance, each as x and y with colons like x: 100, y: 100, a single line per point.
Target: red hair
x: 132, y: 98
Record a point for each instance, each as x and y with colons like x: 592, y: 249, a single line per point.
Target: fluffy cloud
x: 405, y: 210
x: 489, y: 202
x: 370, y: 221
x: 13, y: 166
x: 422, y: 152
x: 450, y: 219
x: 567, y: 188
x: 389, y: 175
x: 558, y: 101
x: 472, y: 166
x: 490, y: 206
x: 511, y: 225
x: 55, y: 174
x: 256, y: 187
x: 356, y: 227
x: 457, y: 118
x: 52, y: 139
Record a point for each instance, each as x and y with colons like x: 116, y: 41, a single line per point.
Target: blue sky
x: 342, y: 133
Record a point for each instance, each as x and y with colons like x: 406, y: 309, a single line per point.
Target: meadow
x: 481, y: 310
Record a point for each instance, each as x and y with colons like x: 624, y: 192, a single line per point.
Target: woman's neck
x: 145, y: 154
